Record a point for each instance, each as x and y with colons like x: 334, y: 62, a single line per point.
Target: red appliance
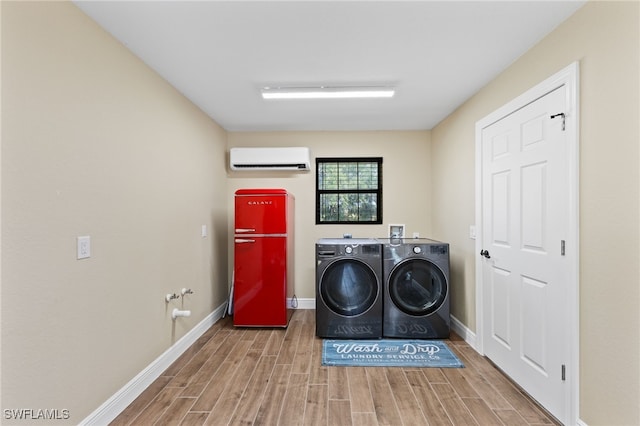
x: 263, y: 257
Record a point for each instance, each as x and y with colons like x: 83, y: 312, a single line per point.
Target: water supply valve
x: 169, y: 297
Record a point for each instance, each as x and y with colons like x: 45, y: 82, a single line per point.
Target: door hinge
x: 563, y: 119
x: 562, y: 247
x: 564, y: 373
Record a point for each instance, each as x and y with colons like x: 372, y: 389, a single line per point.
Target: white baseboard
x: 111, y: 408
x: 296, y: 303
x: 461, y: 330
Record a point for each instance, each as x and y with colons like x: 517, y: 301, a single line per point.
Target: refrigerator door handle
x: 241, y: 230
x: 244, y: 240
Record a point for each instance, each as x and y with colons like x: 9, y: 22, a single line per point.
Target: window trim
x: 378, y: 191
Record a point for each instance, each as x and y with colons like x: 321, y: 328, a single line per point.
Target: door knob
x: 485, y: 253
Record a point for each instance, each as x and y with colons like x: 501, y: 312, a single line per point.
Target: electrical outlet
x: 84, y: 247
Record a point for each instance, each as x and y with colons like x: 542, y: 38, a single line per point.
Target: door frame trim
x: 568, y: 77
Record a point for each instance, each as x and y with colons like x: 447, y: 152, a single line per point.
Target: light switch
x: 204, y: 231
x: 472, y: 232
x: 84, y: 247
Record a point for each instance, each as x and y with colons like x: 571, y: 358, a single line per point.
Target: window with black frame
x: 349, y: 190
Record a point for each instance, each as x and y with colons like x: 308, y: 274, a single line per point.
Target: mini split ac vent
x: 281, y: 158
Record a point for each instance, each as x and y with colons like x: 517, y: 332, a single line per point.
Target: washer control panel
x: 349, y: 248
x: 423, y: 250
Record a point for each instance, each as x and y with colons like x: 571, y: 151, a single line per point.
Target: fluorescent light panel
x: 323, y: 92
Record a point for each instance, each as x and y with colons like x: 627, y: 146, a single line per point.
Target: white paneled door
x: 525, y: 209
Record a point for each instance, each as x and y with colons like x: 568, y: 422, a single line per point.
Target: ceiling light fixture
x: 326, y: 92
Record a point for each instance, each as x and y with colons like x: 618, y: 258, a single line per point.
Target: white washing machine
x: 416, y: 288
x: 349, y: 288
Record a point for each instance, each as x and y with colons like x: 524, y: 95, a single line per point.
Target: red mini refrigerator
x: 263, y: 257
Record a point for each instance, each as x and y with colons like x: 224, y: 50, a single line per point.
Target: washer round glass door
x: 349, y: 287
x: 417, y: 287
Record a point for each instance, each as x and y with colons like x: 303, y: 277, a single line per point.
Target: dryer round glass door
x: 417, y: 287
x: 349, y: 287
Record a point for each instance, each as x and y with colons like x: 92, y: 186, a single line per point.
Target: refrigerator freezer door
x: 261, y: 214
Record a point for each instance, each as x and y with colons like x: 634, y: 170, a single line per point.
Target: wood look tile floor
x: 234, y: 376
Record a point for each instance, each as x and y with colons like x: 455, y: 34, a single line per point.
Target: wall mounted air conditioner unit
x: 289, y: 158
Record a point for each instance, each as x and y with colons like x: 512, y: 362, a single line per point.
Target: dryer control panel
x: 331, y: 247
x: 439, y: 249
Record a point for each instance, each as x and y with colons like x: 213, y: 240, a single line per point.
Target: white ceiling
x: 220, y: 53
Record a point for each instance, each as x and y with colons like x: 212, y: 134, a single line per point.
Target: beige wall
x: 94, y: 143
x: 406, y: 186
x: 604, y: 38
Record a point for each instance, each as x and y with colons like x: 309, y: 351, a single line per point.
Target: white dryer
x: 416, y: 288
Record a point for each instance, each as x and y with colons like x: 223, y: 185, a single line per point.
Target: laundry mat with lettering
x: 389, y: 353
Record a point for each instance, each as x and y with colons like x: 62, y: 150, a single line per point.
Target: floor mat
x: 388, y: 353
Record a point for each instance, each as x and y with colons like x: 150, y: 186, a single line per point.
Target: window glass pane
x: 328, y: 176
x: 348, y: 175
x: 348, y: 207
x: 329, y: 207
x: 368, y: 176
x: 367, y: 207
